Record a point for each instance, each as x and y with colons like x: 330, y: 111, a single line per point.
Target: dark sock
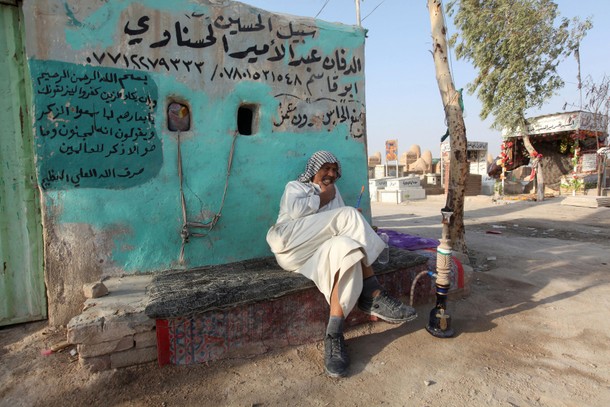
x: 369, y: 286
x: 335, y: 326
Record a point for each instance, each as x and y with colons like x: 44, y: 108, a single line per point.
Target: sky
x: 402, y: 97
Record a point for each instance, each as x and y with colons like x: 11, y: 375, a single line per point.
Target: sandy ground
x: 534, y: 331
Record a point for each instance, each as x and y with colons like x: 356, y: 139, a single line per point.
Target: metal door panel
x: 22, y: 291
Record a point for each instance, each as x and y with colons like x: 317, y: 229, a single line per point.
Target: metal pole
x: 358, y: 20
x: 577, y: 52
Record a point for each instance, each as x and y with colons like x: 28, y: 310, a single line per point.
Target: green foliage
x: 516, y: 46
x: 573, y: 184
x: 566, y: 145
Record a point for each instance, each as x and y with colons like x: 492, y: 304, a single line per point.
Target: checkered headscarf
x: 316, y: 161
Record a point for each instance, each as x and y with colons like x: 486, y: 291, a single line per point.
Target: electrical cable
x: 185, y: 232
x: 382, y: 1
x: 322, y: 9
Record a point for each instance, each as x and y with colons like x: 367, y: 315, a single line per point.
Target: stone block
x: 95, y: 329
x: 131, y: 357
x: 95, y: 290
x: 87, y: 350
x: 130, y: 324
x: 146, y: 339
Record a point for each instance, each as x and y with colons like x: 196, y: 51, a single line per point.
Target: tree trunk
x: 458, y: 165
x: 537, y: 164
x: 601, y: 166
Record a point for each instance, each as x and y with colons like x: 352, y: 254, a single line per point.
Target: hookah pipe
x: 439, y: 323
x: 360, y: 197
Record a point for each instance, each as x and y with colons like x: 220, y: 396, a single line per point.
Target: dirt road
x: 534, y: 331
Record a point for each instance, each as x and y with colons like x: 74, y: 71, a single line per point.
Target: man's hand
x: 325, y: 178
x: 327, y: 193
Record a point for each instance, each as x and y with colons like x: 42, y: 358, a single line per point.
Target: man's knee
x: 349, y: 211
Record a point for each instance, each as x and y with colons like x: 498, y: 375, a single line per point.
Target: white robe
x: 321, y: 242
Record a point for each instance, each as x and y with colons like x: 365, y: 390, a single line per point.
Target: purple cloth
x: 408, y: 242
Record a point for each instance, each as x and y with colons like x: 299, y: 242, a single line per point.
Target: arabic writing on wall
x: 94, y: 126
x: 317, y: 89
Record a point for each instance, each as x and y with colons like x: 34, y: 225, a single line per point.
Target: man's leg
x: 335, y: 305
x: 336, y: 360
x: 371, y: 286
x: 367, y: 271
x: 308, y: 233
x: 374, y: 300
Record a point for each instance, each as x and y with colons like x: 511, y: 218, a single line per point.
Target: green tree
x: 516, y: 46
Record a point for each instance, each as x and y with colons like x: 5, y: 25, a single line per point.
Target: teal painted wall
x: 104, y: 74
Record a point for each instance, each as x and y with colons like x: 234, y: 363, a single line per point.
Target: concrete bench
x: 250, y: 307
x: 232, y: 310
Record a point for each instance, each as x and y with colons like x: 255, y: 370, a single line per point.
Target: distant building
x: 477, y: 181
x: 568, y: 142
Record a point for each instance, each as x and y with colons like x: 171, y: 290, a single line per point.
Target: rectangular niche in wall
x: 178, y: 117
x: 247, y: 119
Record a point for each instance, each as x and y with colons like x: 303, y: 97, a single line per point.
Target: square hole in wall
x: 247, y: 119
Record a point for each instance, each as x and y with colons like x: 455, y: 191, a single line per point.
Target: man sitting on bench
x: 319, y: 237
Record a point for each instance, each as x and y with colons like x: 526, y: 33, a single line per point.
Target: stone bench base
x: 242, y: 309
x: 296, y: 317
x: 113, y: 331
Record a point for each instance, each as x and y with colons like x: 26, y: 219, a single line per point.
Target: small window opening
x: 247, y: 119
x: 178, y: 117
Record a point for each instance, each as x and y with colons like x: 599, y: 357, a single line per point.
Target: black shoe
x: 387, y: 308
x: 336, y: 360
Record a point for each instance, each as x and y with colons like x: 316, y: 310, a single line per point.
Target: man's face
x: 327, y: 174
